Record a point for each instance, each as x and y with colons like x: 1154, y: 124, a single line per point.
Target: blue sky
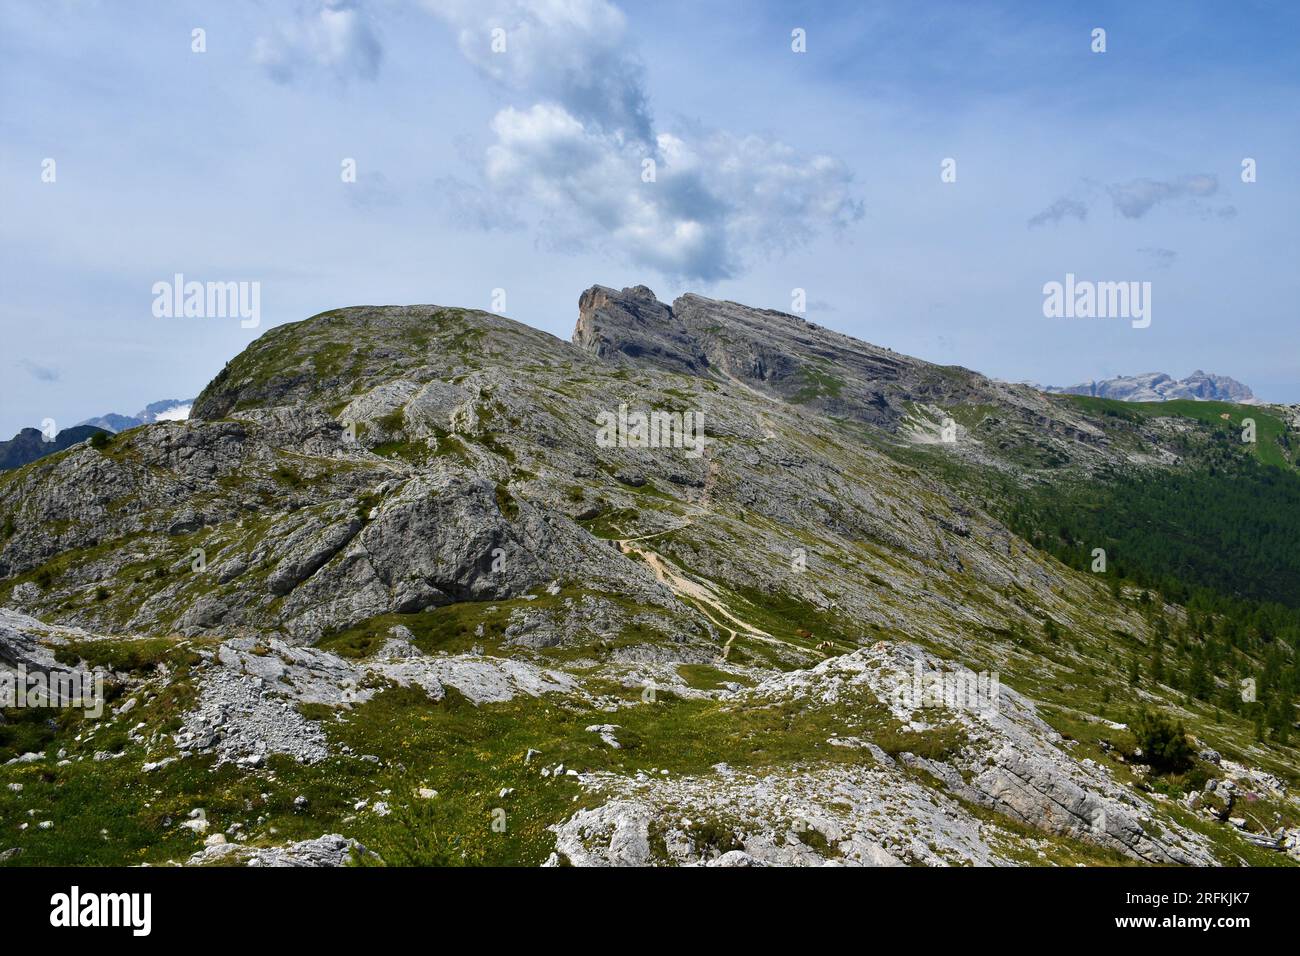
x: 521, y: 170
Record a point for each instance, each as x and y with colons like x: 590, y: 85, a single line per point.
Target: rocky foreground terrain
x: 386, y: 598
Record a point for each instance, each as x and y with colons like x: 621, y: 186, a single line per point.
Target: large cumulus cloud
x: 578, y: 153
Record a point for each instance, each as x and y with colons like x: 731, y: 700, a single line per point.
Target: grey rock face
x: 329, y: 850
x: 783, y: 356
x: 27, y: 641
x: 1013, y: 762
x: 27, y: 646
x: 615, y: 834
x: 857, y: 816
x: 634, y: 325
x: 481, y: 679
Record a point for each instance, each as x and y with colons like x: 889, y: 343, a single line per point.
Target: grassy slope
x: 1218, y: 528
x: 1271, y: 445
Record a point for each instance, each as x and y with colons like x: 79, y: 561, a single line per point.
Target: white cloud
x: 717, y: 200
x: 572, y: 52
x: 331, y: 35
x: 576, y: 155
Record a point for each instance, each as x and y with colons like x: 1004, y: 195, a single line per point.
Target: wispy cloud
x: 1162, y: 258
x: 42, y: 373
x: 1058, y: 211
x: 330, y: 35
x: 1136, y: 198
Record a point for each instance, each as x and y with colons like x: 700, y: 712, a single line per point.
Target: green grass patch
x: 127, y: 655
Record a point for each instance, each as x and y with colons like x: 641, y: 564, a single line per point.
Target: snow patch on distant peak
x: 1161, y: 387
x: 178, y: 414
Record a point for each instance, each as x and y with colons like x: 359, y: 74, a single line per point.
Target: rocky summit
x: 707, y: 585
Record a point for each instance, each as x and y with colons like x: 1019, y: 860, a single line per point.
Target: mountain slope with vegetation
x: 386, y: 583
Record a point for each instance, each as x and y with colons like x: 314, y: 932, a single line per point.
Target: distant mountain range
x: 30, y: 444
x: 168, y: 410
x: 1159, y: 387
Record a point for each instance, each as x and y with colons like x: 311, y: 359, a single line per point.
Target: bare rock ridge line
x: 785, y: 357
x: 778, y: 353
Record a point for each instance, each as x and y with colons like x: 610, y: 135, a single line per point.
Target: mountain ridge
x: 1161, y: 387
x: 30, y: 444
x: 390, y: 530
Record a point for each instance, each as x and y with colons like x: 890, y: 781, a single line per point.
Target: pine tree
x: 1198, y: 678
x: 1280, y: 716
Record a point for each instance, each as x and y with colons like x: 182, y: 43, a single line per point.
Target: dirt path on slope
x: 700, y: 595
x: 694, y: 592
